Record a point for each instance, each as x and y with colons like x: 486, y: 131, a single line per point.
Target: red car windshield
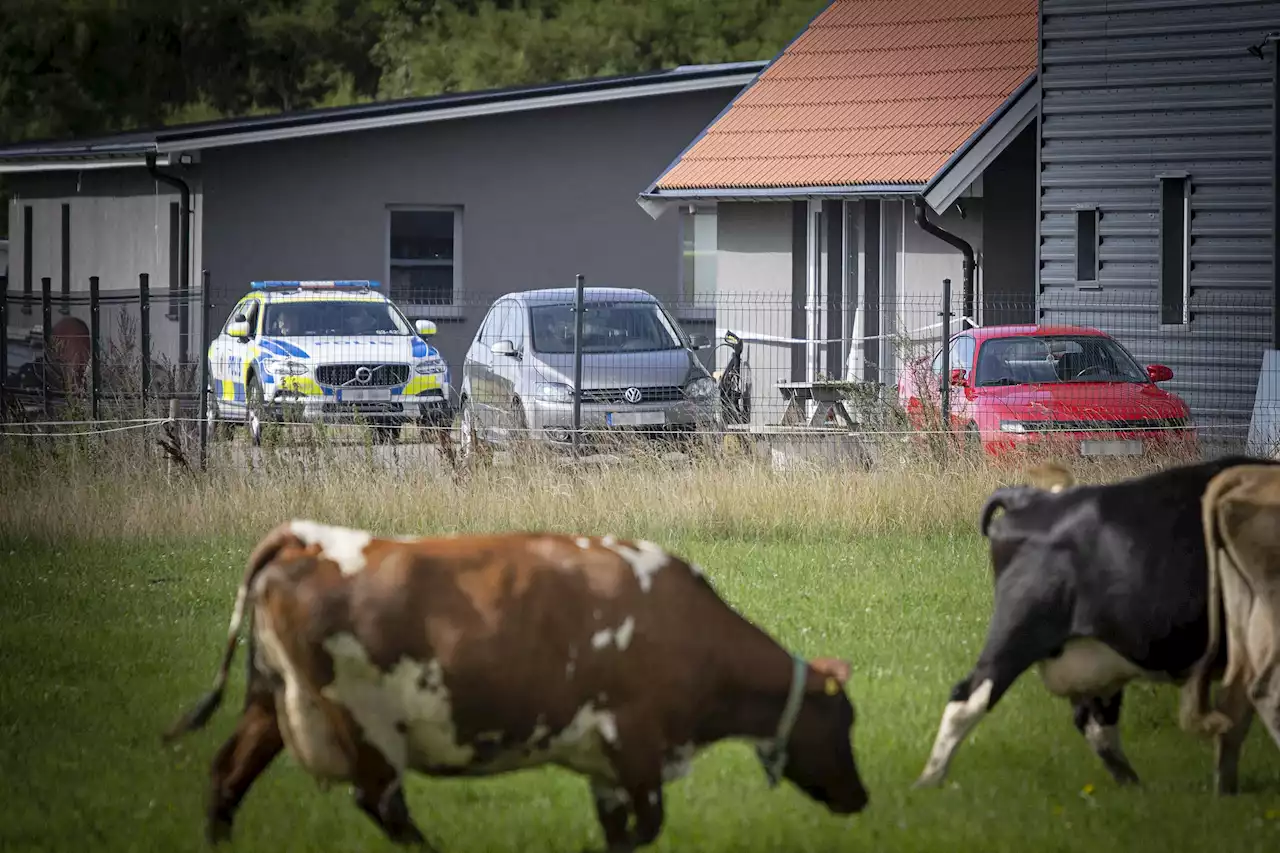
x: 1028, y: 359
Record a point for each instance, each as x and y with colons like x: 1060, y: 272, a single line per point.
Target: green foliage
x: 76, y: 68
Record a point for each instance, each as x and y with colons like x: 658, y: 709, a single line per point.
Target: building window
x: 1087, y: 246
x: 424, y: 258
x: 1175, y: 250
x: 698, y: 251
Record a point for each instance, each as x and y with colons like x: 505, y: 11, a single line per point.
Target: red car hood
x: 1109, y: 401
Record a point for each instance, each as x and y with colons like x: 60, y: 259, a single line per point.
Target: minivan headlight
x: 285, y: 367
x: 701, y: 388
x: 554, y: 392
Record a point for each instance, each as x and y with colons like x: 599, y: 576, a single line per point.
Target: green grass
x: 103, y: 643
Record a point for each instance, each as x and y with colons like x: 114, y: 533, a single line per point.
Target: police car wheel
x: 253, y: 410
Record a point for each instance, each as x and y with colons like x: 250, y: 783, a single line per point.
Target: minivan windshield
x: 606, y: 327
x: 334, y: 317
x: 1031, y: 359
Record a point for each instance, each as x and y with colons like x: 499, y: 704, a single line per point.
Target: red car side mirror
x: 957, y: 376
x: 1159, y: 373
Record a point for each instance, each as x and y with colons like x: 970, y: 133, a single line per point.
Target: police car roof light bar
x: 347, y: 284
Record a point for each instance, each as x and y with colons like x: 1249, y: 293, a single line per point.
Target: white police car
x: 325, y: 351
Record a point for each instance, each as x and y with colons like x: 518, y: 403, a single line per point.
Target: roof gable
x: 877, y: 93
x: 131, y: 148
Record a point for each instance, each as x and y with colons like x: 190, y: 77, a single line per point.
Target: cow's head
x: 819, y: 751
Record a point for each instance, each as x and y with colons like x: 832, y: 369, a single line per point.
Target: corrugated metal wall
x: 1139, y: 88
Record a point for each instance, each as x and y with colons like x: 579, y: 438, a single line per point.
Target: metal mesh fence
x: 1091, y: 373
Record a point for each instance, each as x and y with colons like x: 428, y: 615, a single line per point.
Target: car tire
x: 255, y: 412
x: 469, y: 443
x: 216, y: 428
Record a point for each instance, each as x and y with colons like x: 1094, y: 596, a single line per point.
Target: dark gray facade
x: 533, y: 186
x: 1156, y: 189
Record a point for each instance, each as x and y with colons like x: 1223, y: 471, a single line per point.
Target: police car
x: 325, y: 351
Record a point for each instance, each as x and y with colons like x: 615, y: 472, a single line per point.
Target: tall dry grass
x: 113, y: 487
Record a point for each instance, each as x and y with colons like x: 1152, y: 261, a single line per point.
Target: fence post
x: 946, y: 358
x: 203, y: 400
x: 4, y: 354
x: 95, y: 346
x: 46, y: 334
x: 144, y: 334
x: 577, y: 359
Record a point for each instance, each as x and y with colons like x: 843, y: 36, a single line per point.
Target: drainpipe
x: 922, y: 219
x: 184, y: 257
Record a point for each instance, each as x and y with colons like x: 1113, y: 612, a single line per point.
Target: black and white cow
x: 1096, y: 586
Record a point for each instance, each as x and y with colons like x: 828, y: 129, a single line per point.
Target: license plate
x: 635, y: 418
x: 364, y: 395
x: 1127, y: 447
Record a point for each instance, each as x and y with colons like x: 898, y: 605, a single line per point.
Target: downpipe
x: 922, y: 220
x: 184, y: 255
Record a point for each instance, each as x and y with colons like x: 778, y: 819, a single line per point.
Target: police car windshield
x: 606, y: 327
x: 334, y: 317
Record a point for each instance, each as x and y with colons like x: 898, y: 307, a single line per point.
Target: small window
x: 1087, y: 245
x: 423, y: 255
x: 698, y: 252
x: 1175, y: 250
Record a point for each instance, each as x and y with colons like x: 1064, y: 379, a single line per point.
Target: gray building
x: 805, y: 198
x: 1157, y: 189
x: 449, y: 201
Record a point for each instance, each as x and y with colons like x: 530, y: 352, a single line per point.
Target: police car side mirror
x: 238, y: 329
x: 698, y: 341
x: 503, y: 347
x: 425, y: 328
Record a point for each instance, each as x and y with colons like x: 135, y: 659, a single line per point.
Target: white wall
x: 753, y: 294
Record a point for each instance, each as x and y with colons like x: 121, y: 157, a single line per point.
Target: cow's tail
x: 203, y: 710
x: 1194, y: 714
x: 1005, y: 497
x: 1049, y: 477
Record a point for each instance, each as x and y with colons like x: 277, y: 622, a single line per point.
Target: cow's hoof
x: 409, y: 836
x: 927, y: 780
x: 217, y: 831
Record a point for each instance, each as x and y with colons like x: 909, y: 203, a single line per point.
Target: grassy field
x: 116, y: 588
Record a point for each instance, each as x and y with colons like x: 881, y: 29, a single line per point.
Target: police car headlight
x: 285, y: 367
x: 429, y: 367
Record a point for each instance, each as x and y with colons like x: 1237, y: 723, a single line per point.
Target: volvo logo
x: 363, y: 374
x: 631, y: 395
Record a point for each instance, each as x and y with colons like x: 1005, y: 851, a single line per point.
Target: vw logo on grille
x: 363, y: 374
x: 631, y: 395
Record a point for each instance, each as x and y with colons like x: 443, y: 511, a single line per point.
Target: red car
x: 1066, y: 389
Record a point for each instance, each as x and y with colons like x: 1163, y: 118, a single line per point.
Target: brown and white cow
x: 1241, y: 517
x: 483, y: 654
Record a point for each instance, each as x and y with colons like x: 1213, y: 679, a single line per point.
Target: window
x: 245, y: 312
x: 1036, y: 359
x: 606, y: 327
x: 961, y: 355
x: 423, y: 254
x: 1087, y: 246
x: 698, y: 253
x: 1175, y: 250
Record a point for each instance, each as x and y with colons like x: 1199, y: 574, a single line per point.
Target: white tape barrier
x: 757, y: 338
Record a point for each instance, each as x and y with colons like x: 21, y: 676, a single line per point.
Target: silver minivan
x: 639, y: 370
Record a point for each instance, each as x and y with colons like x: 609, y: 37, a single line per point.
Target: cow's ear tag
x: 832, y: 686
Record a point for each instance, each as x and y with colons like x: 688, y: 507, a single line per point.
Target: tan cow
x: 485, y: 654
x: 1241, y: 516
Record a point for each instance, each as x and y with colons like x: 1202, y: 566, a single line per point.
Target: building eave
x: 78, y: 160
x: 986, y: 144
x: 131, y: 151
x: 656, y: 202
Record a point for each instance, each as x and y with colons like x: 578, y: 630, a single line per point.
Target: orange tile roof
x: 874, y: 92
